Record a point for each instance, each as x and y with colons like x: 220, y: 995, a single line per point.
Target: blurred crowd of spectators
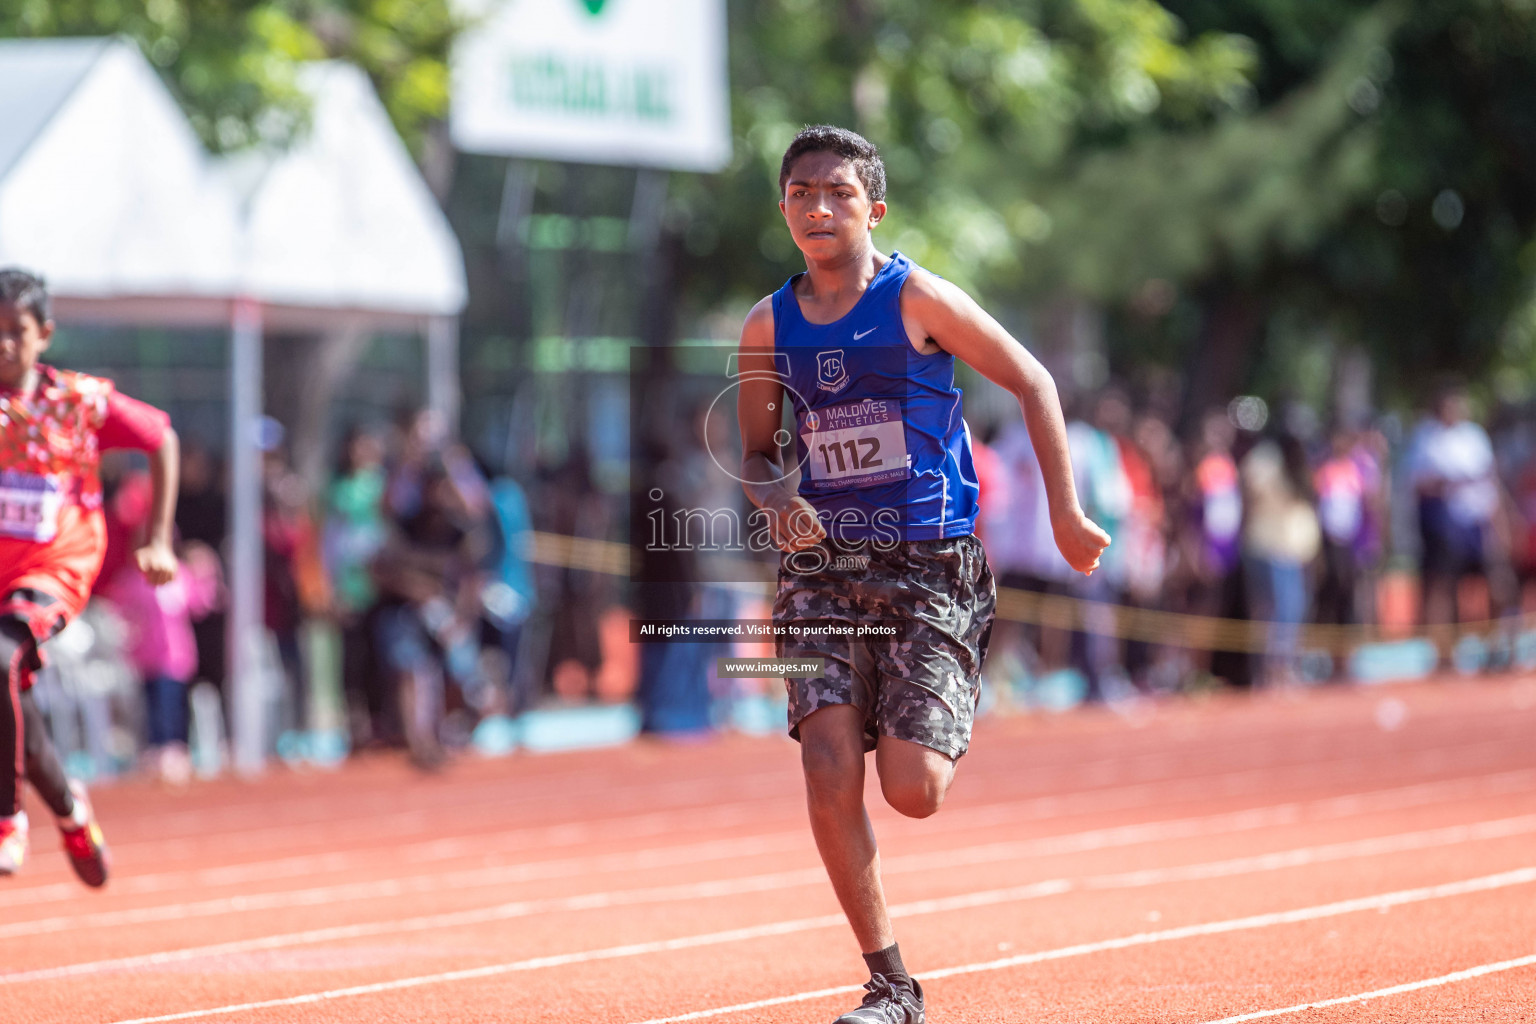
x: 1362, y: 524
x: 403, y: 583
x: 403, y: 576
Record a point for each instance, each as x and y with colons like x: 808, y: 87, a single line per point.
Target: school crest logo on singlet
x: 831, y: 370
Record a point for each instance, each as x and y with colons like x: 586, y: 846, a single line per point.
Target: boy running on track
x: 53, y: 427
x: 880, y: 528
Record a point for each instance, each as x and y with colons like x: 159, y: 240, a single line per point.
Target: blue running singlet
x: 883, y: 449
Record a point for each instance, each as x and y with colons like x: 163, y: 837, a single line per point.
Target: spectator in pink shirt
x: 162, y: 646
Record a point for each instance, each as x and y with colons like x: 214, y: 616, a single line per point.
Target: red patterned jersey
x: 49, y: 453
x: 52, y: 536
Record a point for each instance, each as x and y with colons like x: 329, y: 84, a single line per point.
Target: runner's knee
x: 915, y: 796
x: 913, y: 779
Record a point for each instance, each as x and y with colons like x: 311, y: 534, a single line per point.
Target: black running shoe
x: 887, y: 1004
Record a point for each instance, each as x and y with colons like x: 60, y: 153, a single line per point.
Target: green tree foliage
x: 1223, y: 199
x: 1382, y: 192
x: 234, y: 63
x: 1228, y: 177
x: 973, y: 104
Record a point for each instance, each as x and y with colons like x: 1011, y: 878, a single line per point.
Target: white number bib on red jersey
x: 858, y: 444
x: 29, y: 506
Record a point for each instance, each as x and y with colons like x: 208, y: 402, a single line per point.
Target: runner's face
x: 826, y: 206
x: 22, y: 340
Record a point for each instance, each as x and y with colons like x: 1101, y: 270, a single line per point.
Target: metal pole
x: 246, y: 584
x: 443, y: 391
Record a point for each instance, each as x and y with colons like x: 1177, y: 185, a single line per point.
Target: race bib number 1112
x: 858, y: 444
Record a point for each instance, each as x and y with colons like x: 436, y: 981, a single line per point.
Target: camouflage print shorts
x: 921, y: 687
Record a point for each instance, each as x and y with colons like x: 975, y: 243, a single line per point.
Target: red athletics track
x: 1372, y: 849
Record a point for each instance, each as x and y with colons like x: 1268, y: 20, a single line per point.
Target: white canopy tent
x: 342, y: 237
x: 103, y: 185
x: 106, y: 191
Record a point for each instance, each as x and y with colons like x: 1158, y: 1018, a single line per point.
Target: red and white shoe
x: 13, y: 842
x: 83, y: 840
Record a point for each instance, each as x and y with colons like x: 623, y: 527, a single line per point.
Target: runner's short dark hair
x: 26, y: 292
x: 826, y: 138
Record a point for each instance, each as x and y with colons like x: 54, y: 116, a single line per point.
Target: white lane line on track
x: 415, y: 822
x: 457, y: 919
x: 1427, y: 839
x: 197, y: 823
x: 1078, y: 842
x: 599, y: 787
x: 585, y: 830
x: 1506, y: 879
x: 194, y: 823
x: 420, y: 853
x: 722, y: 849
x: 1256, y: 921
x: 1112, y: 797
x: 212, y: 823
x: 1381, y: 993
x: 1096, y: 839
x: 1330, y: 807
x: 1225, y: 784
x: 382, y: 794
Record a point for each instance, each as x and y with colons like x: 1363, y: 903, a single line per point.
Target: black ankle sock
x: 888, y: 962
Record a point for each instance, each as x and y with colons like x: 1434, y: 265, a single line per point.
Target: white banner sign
x: 594, y: 81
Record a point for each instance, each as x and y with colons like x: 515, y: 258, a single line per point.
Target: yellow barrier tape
x: 1208, y: 633
x: 564, y: 552
x: 1125, y: 622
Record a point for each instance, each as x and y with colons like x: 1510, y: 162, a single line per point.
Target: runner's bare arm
x: 759, y: 410
x: 954, y: 321
x: 157, y: 559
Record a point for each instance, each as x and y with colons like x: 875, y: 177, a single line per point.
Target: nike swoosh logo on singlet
x: 859, y: 334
